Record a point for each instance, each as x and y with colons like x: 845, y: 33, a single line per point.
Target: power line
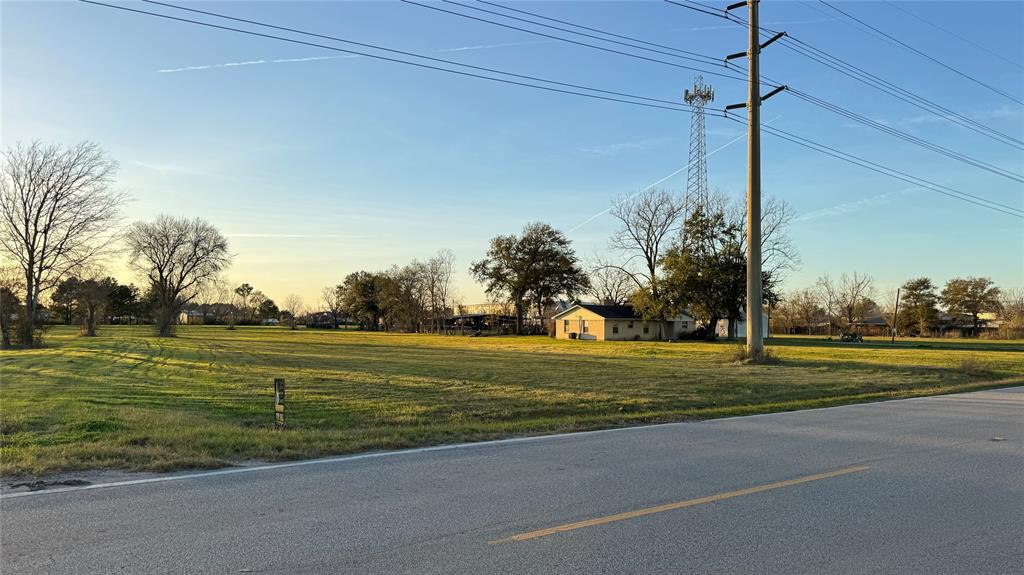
x: 867, y: 78
x: 954, y: 34
x: 891, y: 172
x: 906, y: 136
x: 669, y: 104
x: 576, y: 42
x: 803, y: 95
x: 675, y: 108
x: 711, y: 59
x: 924, y: 55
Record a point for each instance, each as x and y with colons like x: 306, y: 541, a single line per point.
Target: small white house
x: 616, y: 322
x: 740, y: 327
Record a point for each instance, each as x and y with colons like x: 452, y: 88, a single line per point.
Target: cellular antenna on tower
x: 697, y: 171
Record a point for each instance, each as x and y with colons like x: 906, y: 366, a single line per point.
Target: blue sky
x: 317, y: 165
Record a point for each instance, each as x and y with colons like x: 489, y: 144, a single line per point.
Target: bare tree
x: 778, y: 252
x: 849, y: 298
x: 58, y: 210
x: 610, y: 284
x: 334, y: 301
x: 648, y: 219
x: 178, y: 257
x: 440, y: 271
x: 293, y: 305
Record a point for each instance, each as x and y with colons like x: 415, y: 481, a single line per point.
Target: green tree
x: 918, y: 303
x: 706, y: 270
x: 361, y: 298
x: 970, y: 296
x: 123, y: 304
x: 243, y: 292
x: 91, y: 298
x: 63, y: 298
x: 268, y: 309
x: 534, y: 266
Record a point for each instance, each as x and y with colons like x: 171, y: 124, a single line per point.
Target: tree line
x: 965, y: 305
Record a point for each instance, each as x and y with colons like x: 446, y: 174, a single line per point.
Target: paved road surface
x: 914, y: 486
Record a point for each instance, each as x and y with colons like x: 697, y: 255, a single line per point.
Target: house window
x: 615, y: 329
x: 646, y: 329
x: 630, y: 325
x: 686, y: 325
x: 565, y: 325
x: 586, y: 326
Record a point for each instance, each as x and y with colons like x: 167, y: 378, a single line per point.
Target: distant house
x: 739, y: 327
x: 192, y: 317
x: 616, y: 322
x: 871, y: 325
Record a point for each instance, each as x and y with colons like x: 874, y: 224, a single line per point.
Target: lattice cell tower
x: 697, y: 171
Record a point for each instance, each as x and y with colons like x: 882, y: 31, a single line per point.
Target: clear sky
x: 317, y: 165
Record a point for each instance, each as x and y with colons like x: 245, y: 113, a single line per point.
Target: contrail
x: 642, y: 190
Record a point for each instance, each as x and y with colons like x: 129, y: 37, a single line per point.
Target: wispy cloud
x: 999, y: 113
x: 854, y: 206
x: 492, y: 46
x: 169, y: 168
x: 291, y: 236
x: 252, y: 63
x: 342, y: 57
x: 616, y: 149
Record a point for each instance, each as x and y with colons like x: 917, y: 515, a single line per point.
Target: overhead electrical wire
x: 576, y: 42
x: 891, y: 172
x: 922, y: 54
x: 665, y: 104
x: 820, y: 102
x: 867, y: 78
x: 977, y: 200
x: 960, y: 37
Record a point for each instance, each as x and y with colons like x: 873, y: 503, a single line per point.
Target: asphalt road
x: 913, y: 486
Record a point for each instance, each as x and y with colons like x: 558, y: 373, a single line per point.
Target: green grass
x: 128, y: 400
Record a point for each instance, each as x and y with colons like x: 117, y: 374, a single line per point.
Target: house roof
x: 605, y: 311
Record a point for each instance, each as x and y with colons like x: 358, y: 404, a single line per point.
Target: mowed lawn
x: 129, y: 400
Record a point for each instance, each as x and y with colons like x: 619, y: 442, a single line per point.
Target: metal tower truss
x: 697, y: 171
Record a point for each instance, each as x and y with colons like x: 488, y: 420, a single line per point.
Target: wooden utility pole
x: 755, y: 341
x: 895, y: 315
x: 755, y: 293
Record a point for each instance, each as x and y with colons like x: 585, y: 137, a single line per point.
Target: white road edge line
x: 448, y: 447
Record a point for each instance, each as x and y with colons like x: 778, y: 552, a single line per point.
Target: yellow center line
x: 677, y: 505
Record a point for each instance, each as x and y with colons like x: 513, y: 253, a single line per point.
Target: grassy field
x: 127, y: 400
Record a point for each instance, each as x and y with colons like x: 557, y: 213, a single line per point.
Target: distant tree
x: 807, y: 309
x: 178, y: 257
x: 440, y: 271
x: 91, y: 298
x: 535, y: 266
x: 970, y: 296
x: 57, y: 214
x: 361, y: 299
x: 268, y: 309
x: 333, y: 300
x: 918, y: 301
x: 256, y: 300
x: 610, y: 284
x: 1011, y: 313
x: 293, y: 306
x: 123, y: 304
x: 849, y: 298
x: 62, y: 300
x: 10, y: 303
x: 242, y: 294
